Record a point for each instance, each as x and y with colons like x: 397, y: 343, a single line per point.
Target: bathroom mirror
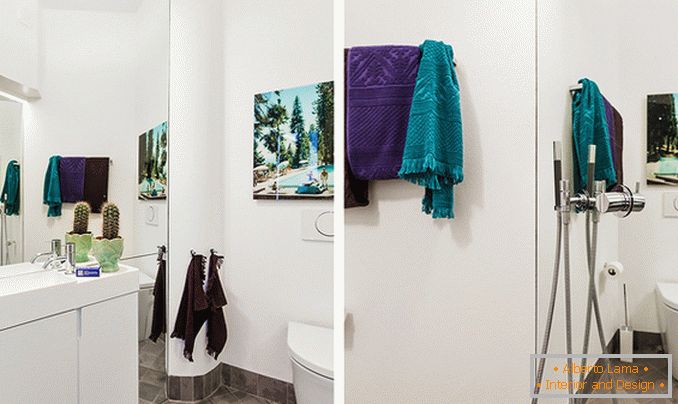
x: 11, y: 156
x: 626, y: 51
x: 102, y: 71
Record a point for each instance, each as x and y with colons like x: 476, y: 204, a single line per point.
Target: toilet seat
x: 311, y: 347
x: 669, y: 294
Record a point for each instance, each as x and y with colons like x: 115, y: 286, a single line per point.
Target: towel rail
x: 160, y: 254
x: 575, y: 88
x: 132, y: 257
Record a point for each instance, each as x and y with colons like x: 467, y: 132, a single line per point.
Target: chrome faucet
x: 54, y: 260
x: 67, y: 260
x: 70, y: 259
x: 55, y: 245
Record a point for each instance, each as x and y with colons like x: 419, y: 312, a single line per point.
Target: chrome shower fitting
x: 621, y: 203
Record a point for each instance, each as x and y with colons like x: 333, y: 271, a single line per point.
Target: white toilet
x: 667, y: 308
x: 311, y: 354
x: 146, y: 284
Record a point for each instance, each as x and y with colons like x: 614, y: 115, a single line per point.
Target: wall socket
x: 670, y: 204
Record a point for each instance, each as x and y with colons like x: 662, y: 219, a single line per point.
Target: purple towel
x: 72, y: 178
x: 615, y: 125
x: 380, y: 86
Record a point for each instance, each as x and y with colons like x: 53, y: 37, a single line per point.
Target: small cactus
x: 81, y: 218
x: 111, y: 225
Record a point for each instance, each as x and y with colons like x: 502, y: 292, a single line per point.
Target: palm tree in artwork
x: 277, y: 117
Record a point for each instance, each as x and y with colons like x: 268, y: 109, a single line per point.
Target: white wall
x: 151, y: 79
x: 196, y: 152
x: 573, y: 39
x: 87, y: 67
x: 442, y: 308
x: 104, y: 81
x: 271, y: 275
x: 646, y: 240
x: 19, y: 41
x: 11, y: 135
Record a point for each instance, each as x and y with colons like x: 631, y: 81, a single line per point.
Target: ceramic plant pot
x: 83, y: 244
x: 107, y: 253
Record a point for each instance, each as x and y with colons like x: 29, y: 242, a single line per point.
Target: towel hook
x: 161, y: 252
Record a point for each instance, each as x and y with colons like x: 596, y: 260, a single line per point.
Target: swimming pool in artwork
x: 296, y: 179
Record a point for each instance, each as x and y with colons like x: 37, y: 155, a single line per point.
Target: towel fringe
x: 442, y: 213
x: 430, y: 173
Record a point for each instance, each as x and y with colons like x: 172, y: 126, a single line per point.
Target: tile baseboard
x: 271, y: 389
x: 195, y: 388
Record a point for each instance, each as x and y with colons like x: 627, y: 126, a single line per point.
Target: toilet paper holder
x: 613, y: 268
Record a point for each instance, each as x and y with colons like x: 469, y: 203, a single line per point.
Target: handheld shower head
x: 591, y: 172
x: 557, y: 170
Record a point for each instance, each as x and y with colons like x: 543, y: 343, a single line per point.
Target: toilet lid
x: 311, y: 347
x: 669, y: 293
x: 145, y: 281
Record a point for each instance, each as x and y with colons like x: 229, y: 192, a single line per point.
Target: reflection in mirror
x: 607, y: 77
x: 92, y: 161
x: 11, y: 156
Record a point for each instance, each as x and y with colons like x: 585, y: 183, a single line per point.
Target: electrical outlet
x: 670, y: 204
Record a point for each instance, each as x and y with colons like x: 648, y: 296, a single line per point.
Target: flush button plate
x: 670, y: 204
x: 317, y: 225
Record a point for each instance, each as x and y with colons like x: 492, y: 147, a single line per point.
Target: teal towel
x: 589, y: 126
x: 51, y: 194
x: 433, y: 155
x: 10, y: 190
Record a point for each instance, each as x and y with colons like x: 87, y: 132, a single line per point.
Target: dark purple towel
x: 355, y: 191
x: 615, y: 126
x: 380, y: 86
x: 96, y: 182
x: 72, y: 179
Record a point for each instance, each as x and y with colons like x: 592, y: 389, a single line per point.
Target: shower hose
x: 592, y: 301
x: 563, y: 238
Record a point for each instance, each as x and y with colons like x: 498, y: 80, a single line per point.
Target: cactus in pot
x: 107, y: 249
x: 80, y: 235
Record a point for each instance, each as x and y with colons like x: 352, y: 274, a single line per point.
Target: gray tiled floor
x: 657, y: 372
x: 224, y: 395
x: 153, y: 380
x: 152, y: 375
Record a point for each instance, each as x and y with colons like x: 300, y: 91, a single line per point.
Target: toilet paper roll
x: 613, y: 269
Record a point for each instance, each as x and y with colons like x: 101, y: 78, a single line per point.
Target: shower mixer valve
x: 621, y: 203
x: 594, y: 199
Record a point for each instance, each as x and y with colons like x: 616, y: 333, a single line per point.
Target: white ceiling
x: 92, y: 5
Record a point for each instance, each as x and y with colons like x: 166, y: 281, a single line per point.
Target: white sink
x: 39, y: 293
x: 26, y: 283
x: 19, y: 269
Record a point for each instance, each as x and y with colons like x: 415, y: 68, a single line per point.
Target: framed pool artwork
x: 152, y: 166
x: 662, y: 140
x: 293, y: 148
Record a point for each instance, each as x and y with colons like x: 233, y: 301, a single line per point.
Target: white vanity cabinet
x: 73, y: 341
x: 39, y: 361
x: 108, y: 373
